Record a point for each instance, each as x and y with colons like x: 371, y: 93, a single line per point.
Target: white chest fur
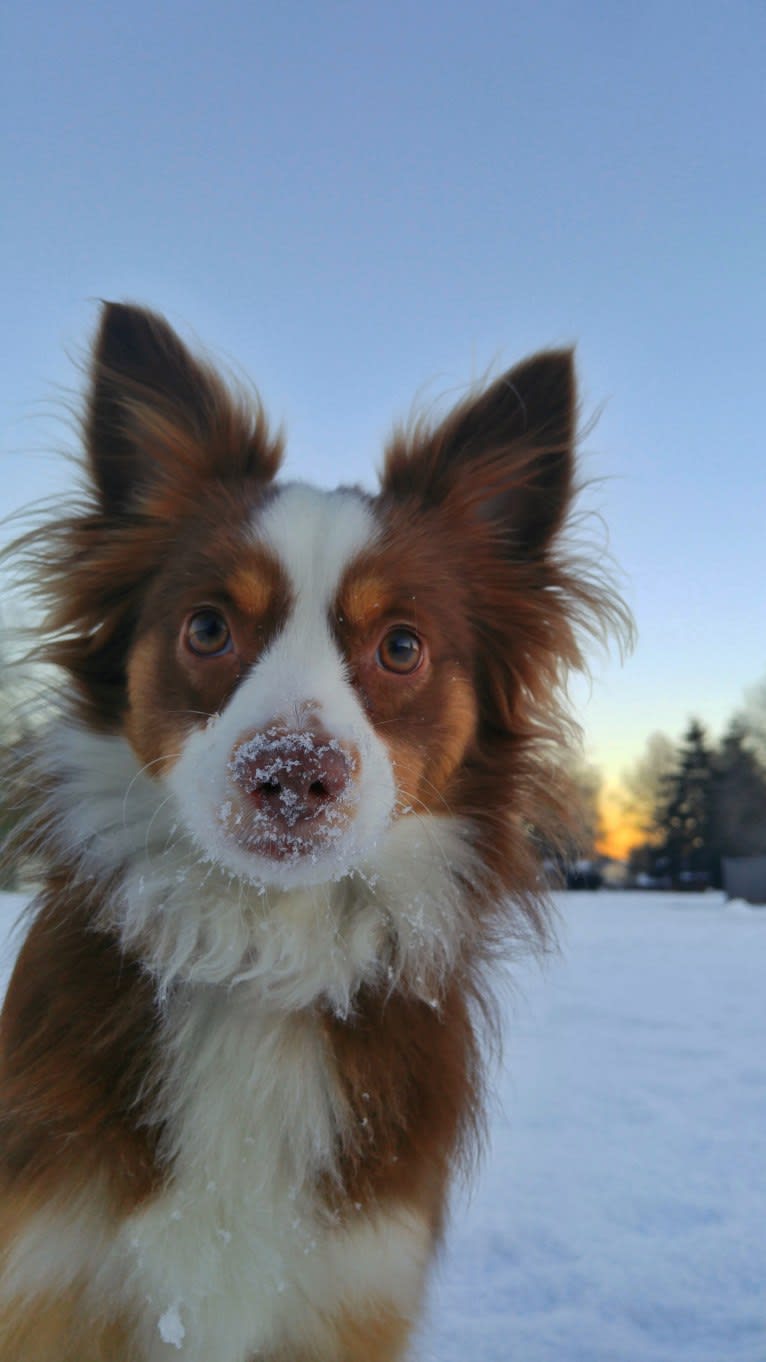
x: 237, y: 1256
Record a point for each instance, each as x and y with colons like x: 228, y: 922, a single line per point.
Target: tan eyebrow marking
x: 363, y: 599
x: 251, y: 589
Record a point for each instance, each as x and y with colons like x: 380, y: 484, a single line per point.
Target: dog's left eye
x: 207, y: 633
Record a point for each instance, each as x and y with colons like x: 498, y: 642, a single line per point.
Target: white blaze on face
x: 300, y: 688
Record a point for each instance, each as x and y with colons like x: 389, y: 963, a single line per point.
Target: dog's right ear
x: 156, y: 414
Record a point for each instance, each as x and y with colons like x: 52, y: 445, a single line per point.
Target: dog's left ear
x: 504, y: 456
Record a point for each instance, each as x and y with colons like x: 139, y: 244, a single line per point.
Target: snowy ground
x: 621, y: 1215
x: 621, y: 1212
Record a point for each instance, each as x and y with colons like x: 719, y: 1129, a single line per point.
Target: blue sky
x: 359, y: 204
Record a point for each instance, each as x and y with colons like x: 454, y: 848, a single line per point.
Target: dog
x: 305, y: 756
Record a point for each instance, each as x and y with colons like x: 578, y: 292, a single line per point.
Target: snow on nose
x: 297, y: 788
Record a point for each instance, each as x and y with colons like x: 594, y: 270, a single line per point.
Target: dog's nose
x: 292, y: 778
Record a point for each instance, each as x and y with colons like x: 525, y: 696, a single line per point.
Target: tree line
x: 696, y: 802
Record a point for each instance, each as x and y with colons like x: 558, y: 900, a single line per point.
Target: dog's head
x: 302, y: 673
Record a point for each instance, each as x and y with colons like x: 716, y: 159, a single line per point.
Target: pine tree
x: 740, y: 795
x: 686, y: 814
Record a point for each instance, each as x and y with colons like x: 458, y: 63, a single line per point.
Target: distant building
x: 744, y: 877
x: 614, y: 873
x: 584, y: 874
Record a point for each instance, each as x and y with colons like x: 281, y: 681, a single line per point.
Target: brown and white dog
x: 304, y: 758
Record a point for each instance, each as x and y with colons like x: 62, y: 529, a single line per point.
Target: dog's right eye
x: 400, y: 651
x: 207, y: 633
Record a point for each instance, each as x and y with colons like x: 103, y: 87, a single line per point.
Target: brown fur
x: 63, y: 1329
x: 363, y: 600
x: 168, y: 688
x: 379, y: 1335
x: 376, y: 1337
x: 411, y: 1075
x: 167, y: 443
x: 76, y: 1046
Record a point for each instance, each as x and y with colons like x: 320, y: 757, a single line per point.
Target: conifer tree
x: 740, y: 795
x: 687, y: 812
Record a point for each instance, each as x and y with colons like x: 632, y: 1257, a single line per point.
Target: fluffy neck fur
x: 401, y: 919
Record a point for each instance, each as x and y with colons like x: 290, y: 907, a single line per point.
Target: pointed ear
x: 155, y: 411
x: 505, y: 455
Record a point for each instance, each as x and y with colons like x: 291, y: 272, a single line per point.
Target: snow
x: 621, y: 1215
x: 621, y: 1210
x: 171, y: 1329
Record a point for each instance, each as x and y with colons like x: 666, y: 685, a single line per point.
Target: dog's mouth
x: 292, y: 794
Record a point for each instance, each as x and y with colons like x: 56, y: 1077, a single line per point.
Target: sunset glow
x: 619, y: 834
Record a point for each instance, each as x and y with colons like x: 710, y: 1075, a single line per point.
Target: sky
x: 361, y: 205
